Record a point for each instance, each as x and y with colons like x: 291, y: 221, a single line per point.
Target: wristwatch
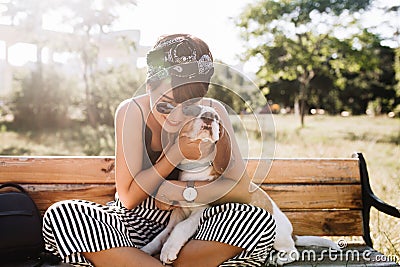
x: 190, y: 193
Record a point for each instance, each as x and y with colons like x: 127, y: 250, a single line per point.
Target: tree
x: 372, y: 80
x: 42, y: 101
x: 234, y: 89
x: 90, y: 19
x: 296, y: 40
x: 389, y: 31
x: 112, y: 85
x: 28, y: 17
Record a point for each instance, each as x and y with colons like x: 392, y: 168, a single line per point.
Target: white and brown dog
x: 184, y: 221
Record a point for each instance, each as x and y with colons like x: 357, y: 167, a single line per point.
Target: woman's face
x: 165, y: 110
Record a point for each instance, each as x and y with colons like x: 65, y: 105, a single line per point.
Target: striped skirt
x: 75, y: 226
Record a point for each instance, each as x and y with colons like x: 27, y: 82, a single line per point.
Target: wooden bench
x: 324, y: 197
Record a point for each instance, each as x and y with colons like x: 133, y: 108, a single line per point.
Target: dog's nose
x: 208, y: 117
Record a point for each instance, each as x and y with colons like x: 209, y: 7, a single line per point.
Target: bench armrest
x: 371, y: 200
x: 383, y: 207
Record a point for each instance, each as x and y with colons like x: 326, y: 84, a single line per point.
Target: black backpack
x: 20, y: 225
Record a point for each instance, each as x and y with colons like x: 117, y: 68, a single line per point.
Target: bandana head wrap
x: 177, y: 58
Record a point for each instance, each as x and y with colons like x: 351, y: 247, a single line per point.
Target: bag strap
x: 16, y: 186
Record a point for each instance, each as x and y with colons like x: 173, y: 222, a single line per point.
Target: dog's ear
x: 223, y: 153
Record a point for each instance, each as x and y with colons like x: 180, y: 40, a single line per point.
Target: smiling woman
x: 180, y: 67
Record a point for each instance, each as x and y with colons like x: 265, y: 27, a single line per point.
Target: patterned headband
x: 162, y: 64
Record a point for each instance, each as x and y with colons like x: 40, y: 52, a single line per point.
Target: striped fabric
x: 240, y: 225
x: 74, y: 226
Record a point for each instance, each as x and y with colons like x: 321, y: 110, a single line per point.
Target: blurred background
x: 330, y: 71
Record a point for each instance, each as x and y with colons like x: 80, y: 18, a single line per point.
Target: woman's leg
x: 196, y: 253
x: 121, y: 257
x: 75, y: 229
x: 231, y: 234
x: 199, y: 253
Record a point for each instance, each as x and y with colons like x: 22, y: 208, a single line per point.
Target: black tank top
x: 149, y: 155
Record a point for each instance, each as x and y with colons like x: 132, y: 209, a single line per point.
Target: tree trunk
x: 39, y: 62
x: 302, y: 102
x: 304, y: 93
x: 302, y: 111
x: 303, y: 96
x: 89, y: 107
x: 7, y: 74
x: 88, y: 77
x: 297, y: 106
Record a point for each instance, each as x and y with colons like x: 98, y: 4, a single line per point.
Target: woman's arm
x: 236, y: 171
x: 134, y: 184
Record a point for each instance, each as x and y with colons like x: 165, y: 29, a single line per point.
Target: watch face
x: 189, y: 194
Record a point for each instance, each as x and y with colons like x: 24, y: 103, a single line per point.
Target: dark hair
x: 185, y: 89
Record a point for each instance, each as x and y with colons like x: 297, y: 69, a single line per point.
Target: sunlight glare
x: 2, y: 50
x: 63, y: 57
x: 21, y: 53
x: 53, y: 21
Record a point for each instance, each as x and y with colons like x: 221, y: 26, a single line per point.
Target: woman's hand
x: 194, y: 149
x: 165, y: 199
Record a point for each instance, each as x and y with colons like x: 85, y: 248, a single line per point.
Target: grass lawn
x: 378, y: 138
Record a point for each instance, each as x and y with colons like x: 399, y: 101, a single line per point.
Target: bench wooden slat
x: 286, y: 197
x: 315, y: 196
x: 320, y: 196
x: 51, y: 170
x: 305, y: 222
x: 101, y: 170
x: 45, y: 195
x: 289, y: 171
x: 326, y: 223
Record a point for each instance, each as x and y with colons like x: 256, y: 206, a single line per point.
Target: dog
x: 184, y: 221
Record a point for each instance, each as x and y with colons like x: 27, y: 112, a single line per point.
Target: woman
x: 230, y: 233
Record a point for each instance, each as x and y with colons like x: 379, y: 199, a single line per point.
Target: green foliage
x: 92, y: 15
x: 109, y: 88
x: 95, y: 142
x: 371, y: 78
x: 262, y: 13
x: 297, y: 41
x: 235, y: 90
x: 55, y: 102
x: 88, y: 20
x: 41, y: 100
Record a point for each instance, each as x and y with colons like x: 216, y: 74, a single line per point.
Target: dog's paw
x: 154, y: 247
x: 169, y: 252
